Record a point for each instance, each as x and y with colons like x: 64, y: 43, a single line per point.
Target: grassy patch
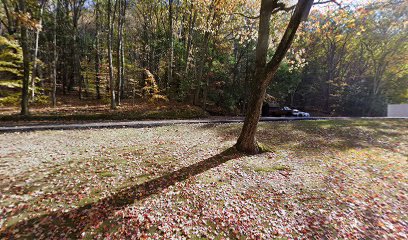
x: 106, y: 174
x: 263, y: 148
x: 272, y: 168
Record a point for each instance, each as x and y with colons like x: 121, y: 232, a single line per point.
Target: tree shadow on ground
x: 71, y: 223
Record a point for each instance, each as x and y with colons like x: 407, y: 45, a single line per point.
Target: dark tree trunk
x: 12, y: 21
x: 26, y: 62
x: 264, y: 73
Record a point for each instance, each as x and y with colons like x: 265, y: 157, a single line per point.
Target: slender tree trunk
x: 122, y: 69
x: 171, y: 46
x: 265, y: 73
x: 77, y: 7
x: 12, y: 21
x: 201, y: 66
x: 55, y: 59
x: 206, y: 86
x: 37, y: 38
x: 26, y: 62
x: 122, y: 60
x: 204, y: 52
x: 97, y: 53
x: 118, y: 52
x: 110, y: 36
x: 329, y: 75
x: 76, y: 62
x: 121, y: 6
x: 192, y: 20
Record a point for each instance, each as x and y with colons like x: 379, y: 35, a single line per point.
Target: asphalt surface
x: 157, y: 123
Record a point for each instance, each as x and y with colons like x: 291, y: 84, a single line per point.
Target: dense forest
x: 347, y: 59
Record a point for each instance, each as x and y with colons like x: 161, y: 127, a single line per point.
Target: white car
x: 297, y: 113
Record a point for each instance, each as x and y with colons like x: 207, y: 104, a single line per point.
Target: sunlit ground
x: 332, y: 179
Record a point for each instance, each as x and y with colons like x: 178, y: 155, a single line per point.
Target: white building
x: 397, y: 110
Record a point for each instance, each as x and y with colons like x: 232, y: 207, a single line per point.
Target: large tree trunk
x: 26, y: 62
x: 264, y: 74
x: 37, y: 38
x: 110, y: 36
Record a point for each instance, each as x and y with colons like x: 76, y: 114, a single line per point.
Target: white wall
x: 397, y: 110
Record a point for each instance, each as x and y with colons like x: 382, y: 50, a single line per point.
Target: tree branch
x: 282, y: 7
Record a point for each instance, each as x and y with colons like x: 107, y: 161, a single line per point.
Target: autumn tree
x: 355, y: 59
x: 265, y: 72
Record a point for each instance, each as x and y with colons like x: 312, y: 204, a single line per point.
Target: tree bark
x: 265, y: 73
x: 171, y: 46
x: 122, y: 51
x: 192, y: 20
x: 55, y: 59
x: 110, y: 36
x: 37, y: 38
x: 77, y: 5
x: 26, y: 62
x: 204, y: 54
x: 201, y: 66
x: 12, y: 21
x: 119, y: 51
x: 97, y: 53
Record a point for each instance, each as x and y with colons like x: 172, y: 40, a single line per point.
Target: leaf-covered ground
x: 323, y: 179
x: 70, y: 109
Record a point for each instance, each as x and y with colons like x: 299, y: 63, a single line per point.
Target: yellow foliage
x: 158, y: 98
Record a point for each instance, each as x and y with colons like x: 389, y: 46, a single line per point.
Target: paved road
x: 156, y: 123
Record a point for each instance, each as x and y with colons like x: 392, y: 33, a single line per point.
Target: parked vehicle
x: 297, y: 113
x: 272, y: 111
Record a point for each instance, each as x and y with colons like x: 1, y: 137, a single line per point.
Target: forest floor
x: 344, y: 179
x: 71, y: 109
